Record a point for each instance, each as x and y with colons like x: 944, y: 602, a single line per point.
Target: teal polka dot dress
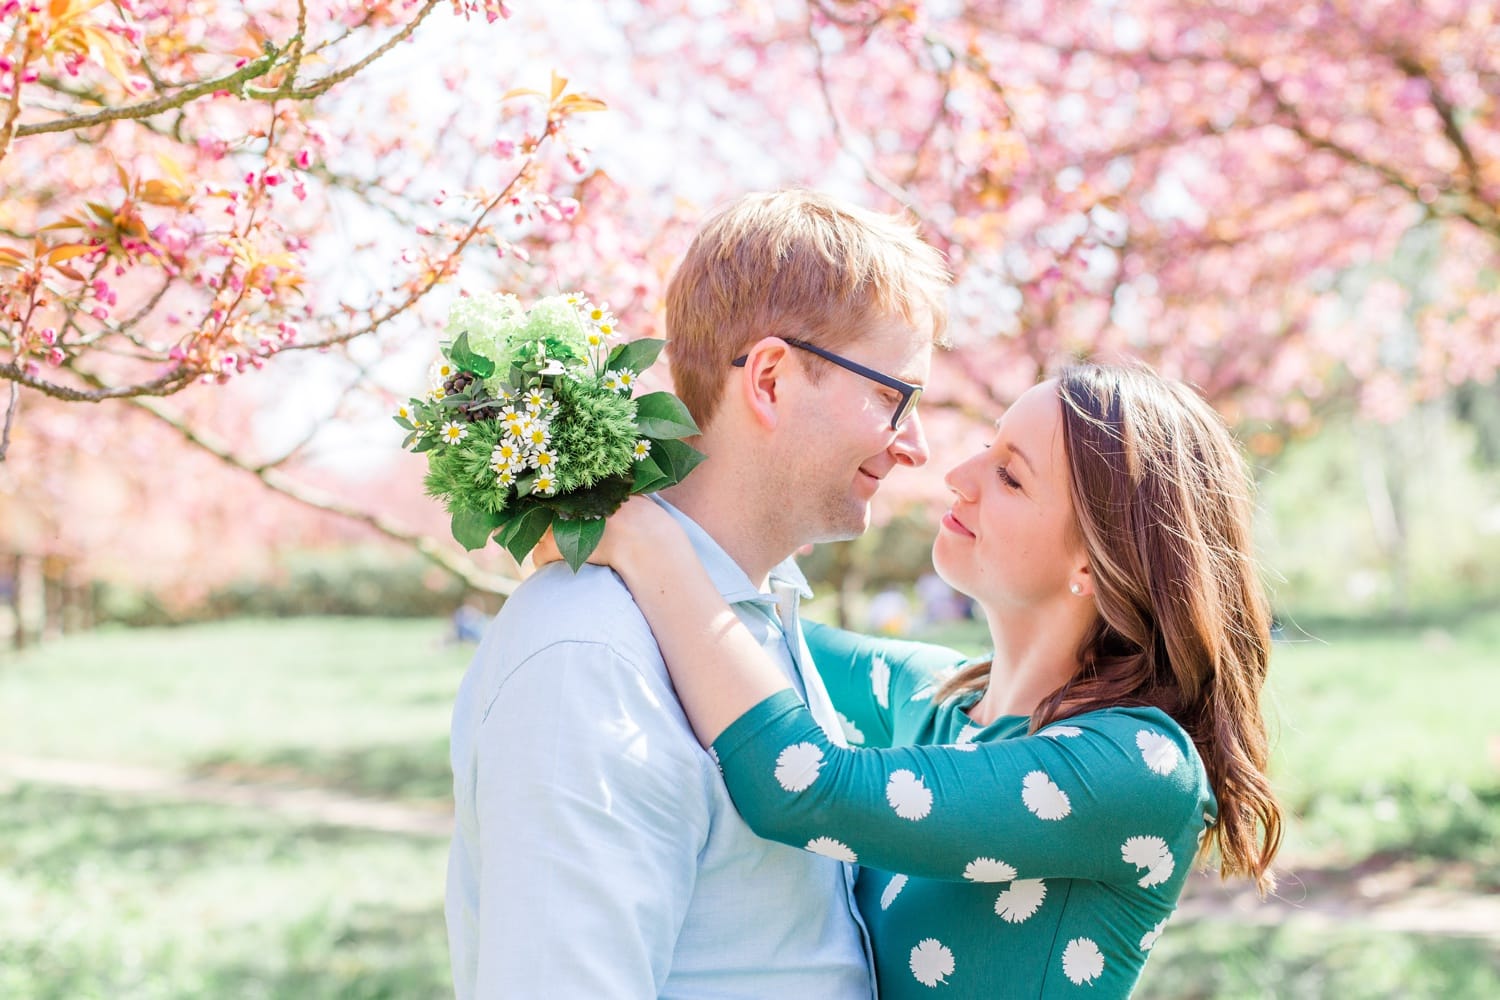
x: 993, y: 863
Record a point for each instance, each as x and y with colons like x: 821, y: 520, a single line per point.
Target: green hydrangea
x: 490, y: 319
x: 594, y: 433
x: 460, y: 475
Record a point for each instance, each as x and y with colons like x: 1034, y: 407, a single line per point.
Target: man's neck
x: 719, y: 508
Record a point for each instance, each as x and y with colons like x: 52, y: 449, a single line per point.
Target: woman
x: 1025, y: 824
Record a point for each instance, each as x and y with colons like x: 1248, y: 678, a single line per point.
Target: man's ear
x: 759, y: 383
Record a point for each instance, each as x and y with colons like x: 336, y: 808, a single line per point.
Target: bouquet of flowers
x: 531, y: 422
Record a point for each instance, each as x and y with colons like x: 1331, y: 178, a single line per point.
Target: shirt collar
x: 733, y: 585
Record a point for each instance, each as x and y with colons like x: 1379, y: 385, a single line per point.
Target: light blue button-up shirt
x: 596, y: 853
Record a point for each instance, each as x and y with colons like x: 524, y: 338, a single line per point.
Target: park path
x: 1391, y: 894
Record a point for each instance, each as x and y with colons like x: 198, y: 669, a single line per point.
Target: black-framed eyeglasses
x: 910, y: 394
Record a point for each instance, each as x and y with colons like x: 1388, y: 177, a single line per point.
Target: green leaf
x: 576, y: 540
x: 403, y: 422
x: 676, y: 460
x: 473, y: 528
x: 424, y: 444
x: 648, y: 476
x: 465, y: 358
x: 525, y: 484
x: 637, y: 355
x: 524, y: 530
x: 662, y: 415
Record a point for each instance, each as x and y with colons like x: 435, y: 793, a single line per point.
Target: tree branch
x: 232, y: 81
x: 472, y: 575
x: 10, y: 416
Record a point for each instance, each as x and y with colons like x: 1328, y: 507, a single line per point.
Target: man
x: 596, y: 853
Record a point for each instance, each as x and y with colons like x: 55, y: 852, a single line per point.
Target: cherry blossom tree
x: 1293, y: 203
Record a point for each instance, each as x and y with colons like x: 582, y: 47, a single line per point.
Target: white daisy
x: 544, y: 485
x: 1160, y: 754
x: 797, y: 766
x: 641, y: 451
x: 830, y: 848
x: 988, y: 870
x: 892, y: 890
x: 931, y: 962
x: 506, y: 453
x: 1021, y: 900
x: 534, y: 399
x: 504, y: 477
x: 612, y: 382
x: 1043, y: 797
x: 626, y: 378
x: 544, y: 459
x: 1152, y: 854
x: 1082, y: 961
x: 453, y: 432
x: 908, y: 795
x: 403, y: 411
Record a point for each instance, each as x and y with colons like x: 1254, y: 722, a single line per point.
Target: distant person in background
x: 1025, y: 824
x: 889, y: 613
x: 941, y: 604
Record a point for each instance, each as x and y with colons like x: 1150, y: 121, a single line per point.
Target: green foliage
x: 593, y: 433
x: 353, y: 580
x: 460, y: 475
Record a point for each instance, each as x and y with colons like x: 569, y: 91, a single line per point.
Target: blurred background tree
x: 1294, y: 205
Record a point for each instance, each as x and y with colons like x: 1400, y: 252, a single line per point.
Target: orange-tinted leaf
x: 576, y: 103
x: 67, y: 251
x: 520, y: 92
x: 11, y: 258
x: 159, y: 192
x: 69, y: 271
x: 71, y: 222
x: 559, y: 84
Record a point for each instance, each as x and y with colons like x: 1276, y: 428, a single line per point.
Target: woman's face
x: 1010, y: 539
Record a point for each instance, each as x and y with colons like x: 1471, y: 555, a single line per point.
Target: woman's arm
x: 869, y: 678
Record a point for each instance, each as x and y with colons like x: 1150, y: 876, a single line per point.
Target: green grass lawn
x: 1385, y: 746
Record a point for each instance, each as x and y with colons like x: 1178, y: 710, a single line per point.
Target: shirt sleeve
x: 868, y: 678
x: 1114, y: 795
x: 591, y: 815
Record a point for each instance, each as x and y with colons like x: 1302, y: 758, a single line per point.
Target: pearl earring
x: 1075, y: 588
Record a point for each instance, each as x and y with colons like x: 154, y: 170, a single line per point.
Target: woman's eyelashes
x: 1007, y: 478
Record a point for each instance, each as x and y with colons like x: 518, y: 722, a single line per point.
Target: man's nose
x: 910, y: 446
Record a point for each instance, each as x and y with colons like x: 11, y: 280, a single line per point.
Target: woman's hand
x: 636, y: 535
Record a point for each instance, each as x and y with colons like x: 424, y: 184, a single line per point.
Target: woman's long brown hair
x: 1162, y: 500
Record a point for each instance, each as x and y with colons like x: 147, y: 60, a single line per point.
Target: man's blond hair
x: 793, y: 264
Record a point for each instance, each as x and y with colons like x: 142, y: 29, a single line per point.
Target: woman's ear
x: 1081, y: 582
x: 759, y: 383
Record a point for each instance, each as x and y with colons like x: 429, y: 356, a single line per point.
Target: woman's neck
x: 1036, y: 652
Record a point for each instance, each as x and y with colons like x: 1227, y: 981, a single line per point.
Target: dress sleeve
x: 590, y: 828
x: 1114, y: 796
x: 869, y: 678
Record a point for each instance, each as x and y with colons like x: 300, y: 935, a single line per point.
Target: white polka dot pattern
x: 1082, y: 961
x: 798, y: 765
x: 931, y: 962
x: 1021, y: 900
x: 988, y: 870
x: 1160, y: 754
x: 908, y: 795
x: 1043, y: 797
x: 1152, y: 854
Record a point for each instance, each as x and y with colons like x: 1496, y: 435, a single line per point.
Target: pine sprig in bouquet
x: 531, y: 422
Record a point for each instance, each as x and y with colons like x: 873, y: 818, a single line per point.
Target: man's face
x: 839, y: 444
